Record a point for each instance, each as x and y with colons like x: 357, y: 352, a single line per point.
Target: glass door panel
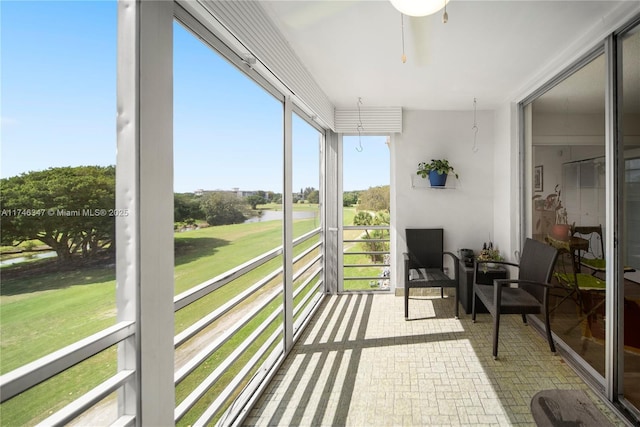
x: 567, y: 134
x: 630, y: 46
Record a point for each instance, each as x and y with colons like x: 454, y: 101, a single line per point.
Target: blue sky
x: 58, y: 107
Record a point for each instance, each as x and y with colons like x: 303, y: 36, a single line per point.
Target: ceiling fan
x: 421, y: 7
x: 414, y: 10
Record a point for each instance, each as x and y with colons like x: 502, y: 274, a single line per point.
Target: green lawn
x: 41, y: 314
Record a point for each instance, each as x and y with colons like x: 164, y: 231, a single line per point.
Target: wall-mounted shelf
x: 419, y: 183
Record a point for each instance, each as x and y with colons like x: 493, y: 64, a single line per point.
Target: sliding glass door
x: 567, y: 133
x: 629, y: 46
x: 582, y: 195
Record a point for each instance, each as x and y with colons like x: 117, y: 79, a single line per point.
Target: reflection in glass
x: 631, y: 206
x: 567, y: 134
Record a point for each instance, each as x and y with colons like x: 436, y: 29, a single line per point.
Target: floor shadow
x: 305, y: 364
x: 321, y: 382
x: 317, y: 362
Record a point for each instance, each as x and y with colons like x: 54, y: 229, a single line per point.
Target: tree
x: 350, y: 198
x: 313, y: 197
x: 255, y: 199
x: 305, y: 193
x: 375, y: 199
x: 269, y: 196
x: 380, y: 218
x: 70, y: 209
x: 223, y: 208
x: 186, y: 207
x: 275, y: 198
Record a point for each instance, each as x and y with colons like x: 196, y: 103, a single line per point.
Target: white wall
x: 506, y: 217
x: 466, y: 213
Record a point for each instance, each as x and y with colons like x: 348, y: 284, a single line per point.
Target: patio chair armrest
x: 512, y: 264
x: 407, y: 262
x: 452, y: 255
x: 503, y: 282
x: 456, y: 264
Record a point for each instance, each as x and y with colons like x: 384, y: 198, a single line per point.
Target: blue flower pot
x: 437, y: 180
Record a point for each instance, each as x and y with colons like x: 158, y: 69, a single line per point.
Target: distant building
x: 235, y: 190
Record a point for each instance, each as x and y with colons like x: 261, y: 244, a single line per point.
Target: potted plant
x: 437, y: 171
x: 488, y: 253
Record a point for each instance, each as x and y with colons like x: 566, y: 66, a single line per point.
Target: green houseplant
x: 437, y: 171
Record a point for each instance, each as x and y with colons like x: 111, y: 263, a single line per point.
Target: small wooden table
x: 573, y: 245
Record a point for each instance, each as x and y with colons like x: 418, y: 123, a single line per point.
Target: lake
x: 40, y: 255
x: 278, y: 215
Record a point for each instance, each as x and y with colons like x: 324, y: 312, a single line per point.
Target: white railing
x: 260, y: 365
x: 383, y: 266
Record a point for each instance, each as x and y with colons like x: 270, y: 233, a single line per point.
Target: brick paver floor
x: 359, y: 363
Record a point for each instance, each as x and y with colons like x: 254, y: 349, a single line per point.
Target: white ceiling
x: 489, y: 50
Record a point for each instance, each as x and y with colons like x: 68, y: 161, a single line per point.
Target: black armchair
x: 424, y: 264
x: 530, y: 297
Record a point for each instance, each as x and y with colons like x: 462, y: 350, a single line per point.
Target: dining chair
x: 592, y: 258
x: 586, y: 290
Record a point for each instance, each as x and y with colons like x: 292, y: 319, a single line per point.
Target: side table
x: 466, y: 284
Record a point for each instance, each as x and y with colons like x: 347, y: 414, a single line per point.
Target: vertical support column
x: 396, y: 268
x: 525, y: 163
x: 287, y: 238
x: 144, y: 186
x: 340, y: 212
x: 332, y: 206
x: 614, y: 161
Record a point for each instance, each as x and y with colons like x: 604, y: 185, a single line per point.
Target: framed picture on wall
x: 538, y: 178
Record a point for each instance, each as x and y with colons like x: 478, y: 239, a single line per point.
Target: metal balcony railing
x: 366, y: 257
x: 254, y: 353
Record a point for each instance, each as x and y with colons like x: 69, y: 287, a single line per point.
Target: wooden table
x: 573, y: 245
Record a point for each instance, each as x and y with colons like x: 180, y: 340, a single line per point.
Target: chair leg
x: 547, y: 325
x: 441, y: 292
x: 524, y: 319
x: 496, y: 330
x: 473, y: 308
x: 457, y: 302
x: 406, y: 303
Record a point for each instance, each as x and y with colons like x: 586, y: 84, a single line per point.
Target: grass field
x: 42, y: 313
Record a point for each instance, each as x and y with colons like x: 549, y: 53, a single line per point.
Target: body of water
x: 39, y: 255
x: 278, y: 215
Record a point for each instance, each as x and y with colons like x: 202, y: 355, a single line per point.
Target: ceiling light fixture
x: 419, y: 7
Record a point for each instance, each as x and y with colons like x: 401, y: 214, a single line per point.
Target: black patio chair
x: 531, y: 296
x: 424, y: 264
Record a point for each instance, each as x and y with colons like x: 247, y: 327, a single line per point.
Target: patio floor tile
x: 359, y: 363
